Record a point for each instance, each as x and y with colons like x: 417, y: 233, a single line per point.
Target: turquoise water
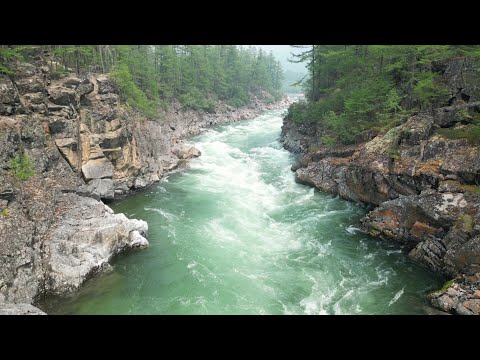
x: 234, y: 234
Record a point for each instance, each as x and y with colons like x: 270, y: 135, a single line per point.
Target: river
x: 234, y: 234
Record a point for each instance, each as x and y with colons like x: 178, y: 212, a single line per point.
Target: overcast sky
x: 282, y: 53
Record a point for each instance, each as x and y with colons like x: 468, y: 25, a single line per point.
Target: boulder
x: 98, y: 189
x: 105, y: 85
x: 86, y: 238
x: 61, y: 96
x: 97, y: 169
x: 140, y: 183
x: 186, y: 152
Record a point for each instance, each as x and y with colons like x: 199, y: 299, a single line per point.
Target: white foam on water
x: 352, y: 229
x: 396, y: 297
x: 162, y: 212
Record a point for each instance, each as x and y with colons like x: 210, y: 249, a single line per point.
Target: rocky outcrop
x: 85, y: 238
x: 461, y: 296
x: 422, y: 185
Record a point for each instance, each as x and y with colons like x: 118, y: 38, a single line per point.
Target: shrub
x: 22, y: 167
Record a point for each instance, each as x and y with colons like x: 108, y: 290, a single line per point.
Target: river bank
x: 84, y: 146
x: 421, y: 188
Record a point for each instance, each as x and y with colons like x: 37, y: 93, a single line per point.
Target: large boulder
x: 86, y: 238
x: 98, y: 188
x: 97, y: 169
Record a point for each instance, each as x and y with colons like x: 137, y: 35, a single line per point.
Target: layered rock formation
x: 55, y: 232
x: 424, y: 186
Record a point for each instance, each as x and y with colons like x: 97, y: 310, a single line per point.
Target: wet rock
x: 186, y: 152
x: 140, y: 183
x: 446, y: 303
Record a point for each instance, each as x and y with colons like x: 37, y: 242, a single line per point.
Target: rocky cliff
x: 84, y: 146
x: 423, y: 186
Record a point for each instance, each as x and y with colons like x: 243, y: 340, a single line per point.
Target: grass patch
x: 470, y: 132
x: 466, y: 221
x: 328, y: 141
x: 470, y: 188
x: 446, y: 285
x: 5, y: 212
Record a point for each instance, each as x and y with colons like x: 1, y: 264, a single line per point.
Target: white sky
x: 282, y: 53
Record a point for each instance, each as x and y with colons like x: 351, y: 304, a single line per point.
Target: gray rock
x: 98, y: 188
x: 89, y: 235
x: 71, y: 82
x: 7, y: 194
x: 97, y: 169
x: 105, y: 85
x: 186, y: 152
x: 61, y: 96
x: 140, y: 183
x: 462, y: 310
x: 19, y: 309
x: 3, y: 204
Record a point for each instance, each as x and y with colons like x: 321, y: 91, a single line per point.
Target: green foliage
x: 130, y: 92
x: 446, y: 285
x: 197, y: 75
x: 471, y: 188
x: 429, y: 90
x: 328, y: 140
x: 466, y: 222
x: 471, y: 132
x: 5, y: 212
x: 392, y: 103
x: 7, y: 55
x: 354, y: 88
x: 22, y: 167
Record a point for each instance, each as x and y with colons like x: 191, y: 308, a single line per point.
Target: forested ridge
x: 149, y: 76
x: 354, y: 89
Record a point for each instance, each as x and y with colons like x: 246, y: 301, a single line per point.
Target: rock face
x: 55, y: 232
x: 424, y: 186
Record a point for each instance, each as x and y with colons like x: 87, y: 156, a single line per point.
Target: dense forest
x: 352, y: 89
x: 149, y: 76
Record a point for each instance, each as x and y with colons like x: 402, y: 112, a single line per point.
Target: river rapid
x: 235, y: 234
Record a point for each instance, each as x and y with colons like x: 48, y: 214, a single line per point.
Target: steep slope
x: 423, y: 183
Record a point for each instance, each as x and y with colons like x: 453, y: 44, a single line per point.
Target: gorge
x: 91, y: 169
